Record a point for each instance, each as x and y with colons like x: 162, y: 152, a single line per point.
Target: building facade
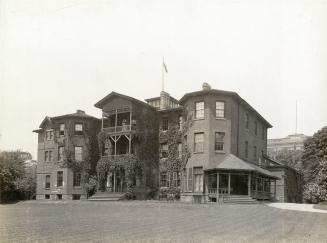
x: 210, y: 145
x: 67, y: 154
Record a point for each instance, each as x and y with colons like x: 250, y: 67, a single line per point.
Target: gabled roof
x: 224, y: 92
x: 232, y: 162
x: 113, y: 94
x: 78, y: 114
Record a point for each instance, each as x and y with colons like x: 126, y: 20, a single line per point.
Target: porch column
x: 249, y: 184
x: 256, y: 187
x: 229, y: 178
x: 217, y: 187
x: 275, y: 189
x: 114, y: 180
x: 102, y: 122
x: 130, y: 128
x: 116, y: 121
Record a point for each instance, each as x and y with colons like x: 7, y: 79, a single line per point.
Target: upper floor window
x: 199, y: 110
x: 255, y: 153
x: 180, y: 146
x: 77, y: 179
x: 60, y: 178
x: 60, y: 153
x: 247, y: 120
x: 255, y: 127
x: 198, y: 142
x: 220, y: 109
x: 49, y: 135
x: 263, y: 132
x: 78, y: 129
x: 164, y: 150
x: 163, y: 179
x: 164, y: 124
x: 47, y: 182
x: 47, y: 156
x: 78, y: 153
x: 180, y: 123
x: 246, y: 149
x: 219, y: 141
x: 62, y: 129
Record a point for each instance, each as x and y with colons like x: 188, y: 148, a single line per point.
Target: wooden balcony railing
x: 123, y: 128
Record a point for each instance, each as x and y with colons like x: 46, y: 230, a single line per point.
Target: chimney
x: 164, y: 100
x: 80, y: 112
x: 206, y: 86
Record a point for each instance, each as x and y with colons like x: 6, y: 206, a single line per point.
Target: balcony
x: 120, y: 129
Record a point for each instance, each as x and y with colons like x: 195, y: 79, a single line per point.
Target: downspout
x: 238, y: 127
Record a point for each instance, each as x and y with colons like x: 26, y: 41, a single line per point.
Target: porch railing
x: 123, y: 128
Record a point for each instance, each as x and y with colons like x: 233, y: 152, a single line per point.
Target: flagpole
x: 163, y: 75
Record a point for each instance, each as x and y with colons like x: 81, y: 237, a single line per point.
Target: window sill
x: 198, y: 152
x: 77, y: 187
x: 220, y: 152
x: 198, y: 119
x: 221, y: 118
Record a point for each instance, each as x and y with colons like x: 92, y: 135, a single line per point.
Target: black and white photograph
x: 163, y: 121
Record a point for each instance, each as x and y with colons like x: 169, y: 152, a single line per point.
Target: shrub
x: 313, y: 193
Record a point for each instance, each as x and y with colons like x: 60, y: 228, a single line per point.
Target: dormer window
x: 78, y: 129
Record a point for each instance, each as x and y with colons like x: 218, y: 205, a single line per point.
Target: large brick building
x: 210, y: 145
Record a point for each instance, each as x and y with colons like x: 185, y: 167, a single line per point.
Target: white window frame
x: 199, y: 110
x: 220, y: 108
x: 78, y: 155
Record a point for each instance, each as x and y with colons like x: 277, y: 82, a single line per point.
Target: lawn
x: 144, y: 221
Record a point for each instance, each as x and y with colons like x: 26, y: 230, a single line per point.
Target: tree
x: 315, y: 152
x: 12, y: 174
x: 290, y: 158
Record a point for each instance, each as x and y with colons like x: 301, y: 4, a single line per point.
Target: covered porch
x: 234, y: 177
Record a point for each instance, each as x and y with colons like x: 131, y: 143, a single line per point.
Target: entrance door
x: 116, y: 181
x: 239, y: 184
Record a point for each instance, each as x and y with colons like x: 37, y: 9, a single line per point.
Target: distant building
x: 290, y: 143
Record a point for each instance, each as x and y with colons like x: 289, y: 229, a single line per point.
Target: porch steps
x: 240, y: 199
x: 106, y: 196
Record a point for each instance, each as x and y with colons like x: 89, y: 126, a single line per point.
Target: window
x: 246, y: 149
x: 220, y: 109
x: 180, y: 152
x: 263, y: 132
x: 49, y: 135
x: 180, y: 119
x: 175, y: 176
x: 255, y: 153
x: 62, y: 129
x: 78, y: 129
x: 78, y: 153
x: 256, y: 128
x: 178, y: 179
x: 47, y: 182
x: 163, y: 179
x: 47, y: 196
x: 199, y: 110
x: 198, y: 142
x: 198, y: 179
x: 47, y: 156
x: 246, y: 120
x: 164, y: 150
x: 60, y: 153
x: 77, y: 179
x: 60, y: 178
x: 189, y: 187
x: 59, y: 196
x: 164, y: 123
x: 219, y: 141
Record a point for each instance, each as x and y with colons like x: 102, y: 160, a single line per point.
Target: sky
x: 60, y: 56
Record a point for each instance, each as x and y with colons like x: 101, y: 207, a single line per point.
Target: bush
x: 169, y: 190
x: 313, y: 193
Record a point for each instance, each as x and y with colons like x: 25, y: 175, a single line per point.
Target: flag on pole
x: 165, y: 67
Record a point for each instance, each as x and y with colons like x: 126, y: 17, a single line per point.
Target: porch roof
x: 232, y: 162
